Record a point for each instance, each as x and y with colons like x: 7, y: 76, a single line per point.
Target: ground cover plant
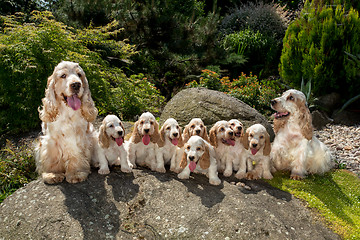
x: 335, y: 195
x: 17, y: 168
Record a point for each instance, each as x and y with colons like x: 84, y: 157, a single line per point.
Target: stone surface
x: 149, y: 205
x: 320, y: 119
x: 211, y: 106
x: 329, y: 102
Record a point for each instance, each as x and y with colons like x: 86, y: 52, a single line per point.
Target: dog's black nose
x: 191, y: 158
x: 231, y: 133
x: 146, y: 130
x: 254, y: 144
x: 239, y: 127
x: 273, y: 102
x: 120, y: 133
x: 197, y: 131
x: 75, y: 86
x: 175, y: 134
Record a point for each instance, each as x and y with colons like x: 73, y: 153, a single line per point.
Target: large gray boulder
x: 149, y: 205
x: 211, y: 106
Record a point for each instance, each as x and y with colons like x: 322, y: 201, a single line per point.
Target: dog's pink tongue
x: 119, y: 141
x: 192, y: 166
x: 254, y: 151
x: 175, y: 141
x: 230, y: 142
x: 146, y: 139
x: 74, y: 102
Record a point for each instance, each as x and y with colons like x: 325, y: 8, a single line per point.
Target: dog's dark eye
x: 142, y: 122
x: 198, y: 149
x: 63, y: 76
x: 251, y: 135
x: 201, y: 126
x: 151, y: 123
x: 188, y: 148
x: 111, y: 125
x: 261, y: 137
x: 79, y: 74
x: 168, y: 128
x: 232, y: 124
x: 192, y: 126
x: 222, y: 129
x: 291, y: 98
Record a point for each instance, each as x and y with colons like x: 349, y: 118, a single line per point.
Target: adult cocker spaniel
x: 64, y: 150
x: 295, y: 148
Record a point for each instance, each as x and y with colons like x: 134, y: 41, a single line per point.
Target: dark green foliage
x: 314, y: 48
x: 29, y: 53
x: 260, y: 28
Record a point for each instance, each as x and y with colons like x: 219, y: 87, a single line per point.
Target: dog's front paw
x: 227, y: 173
x: 252, y: 176
x: 160, y: 169
x: 76, y: 177
x: 52, y: 178
x: 104, y: 171
x: 296, y: 177
x: 183, y: 175
x: 126, y: 169
x: 214, y: 181
x: 240, y: 175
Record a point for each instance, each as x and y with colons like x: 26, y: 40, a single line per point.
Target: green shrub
x: 30, y: 51
x: 314, y: 47
x: 258, y: 30
x: 17, y: 168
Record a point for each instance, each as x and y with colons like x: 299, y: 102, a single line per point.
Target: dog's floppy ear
x: 186, y: 134
x: 305, y: 122
x: 181, y: 141
x: 183, y: 162
x: 161, y: 141
x: 135, y: 136
x: 155, y: 137
x: 104, y: 139
x: 245, y: 140
x: 50, y: 110
x: 212, y: 134
x: 88, y: 109
x: 267, y: 148
x: 122, y: 126
x: 205, y: 158
x: 205, y: 135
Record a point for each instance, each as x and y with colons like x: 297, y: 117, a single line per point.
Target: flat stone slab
x: 150, y: 205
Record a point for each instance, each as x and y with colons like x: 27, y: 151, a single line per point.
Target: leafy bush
x: 17, y: 168
x: 314, y: 48
x: 30, y: 51
x: 245, y: 88
x: 260, y: 27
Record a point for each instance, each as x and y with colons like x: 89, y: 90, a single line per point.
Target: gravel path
x: 344, y: 143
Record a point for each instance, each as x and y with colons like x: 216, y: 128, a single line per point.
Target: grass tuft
x: 335, y: 195
x: 17, y: 168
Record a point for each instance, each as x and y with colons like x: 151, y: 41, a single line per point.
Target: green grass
x: 335, y: 195
x: 17, y: 168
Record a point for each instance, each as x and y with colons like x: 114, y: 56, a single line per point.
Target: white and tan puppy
x: 238, y: 151
x: 195, y: 127
x: 109, y: 148
x: 295, y: 147
x: 170, y: 135
x: 222, y: 138
x: 143, y: 142
x: 257, y: 141
x: 199, y: 156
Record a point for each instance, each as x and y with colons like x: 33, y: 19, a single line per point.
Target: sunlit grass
x: 335, y: 195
